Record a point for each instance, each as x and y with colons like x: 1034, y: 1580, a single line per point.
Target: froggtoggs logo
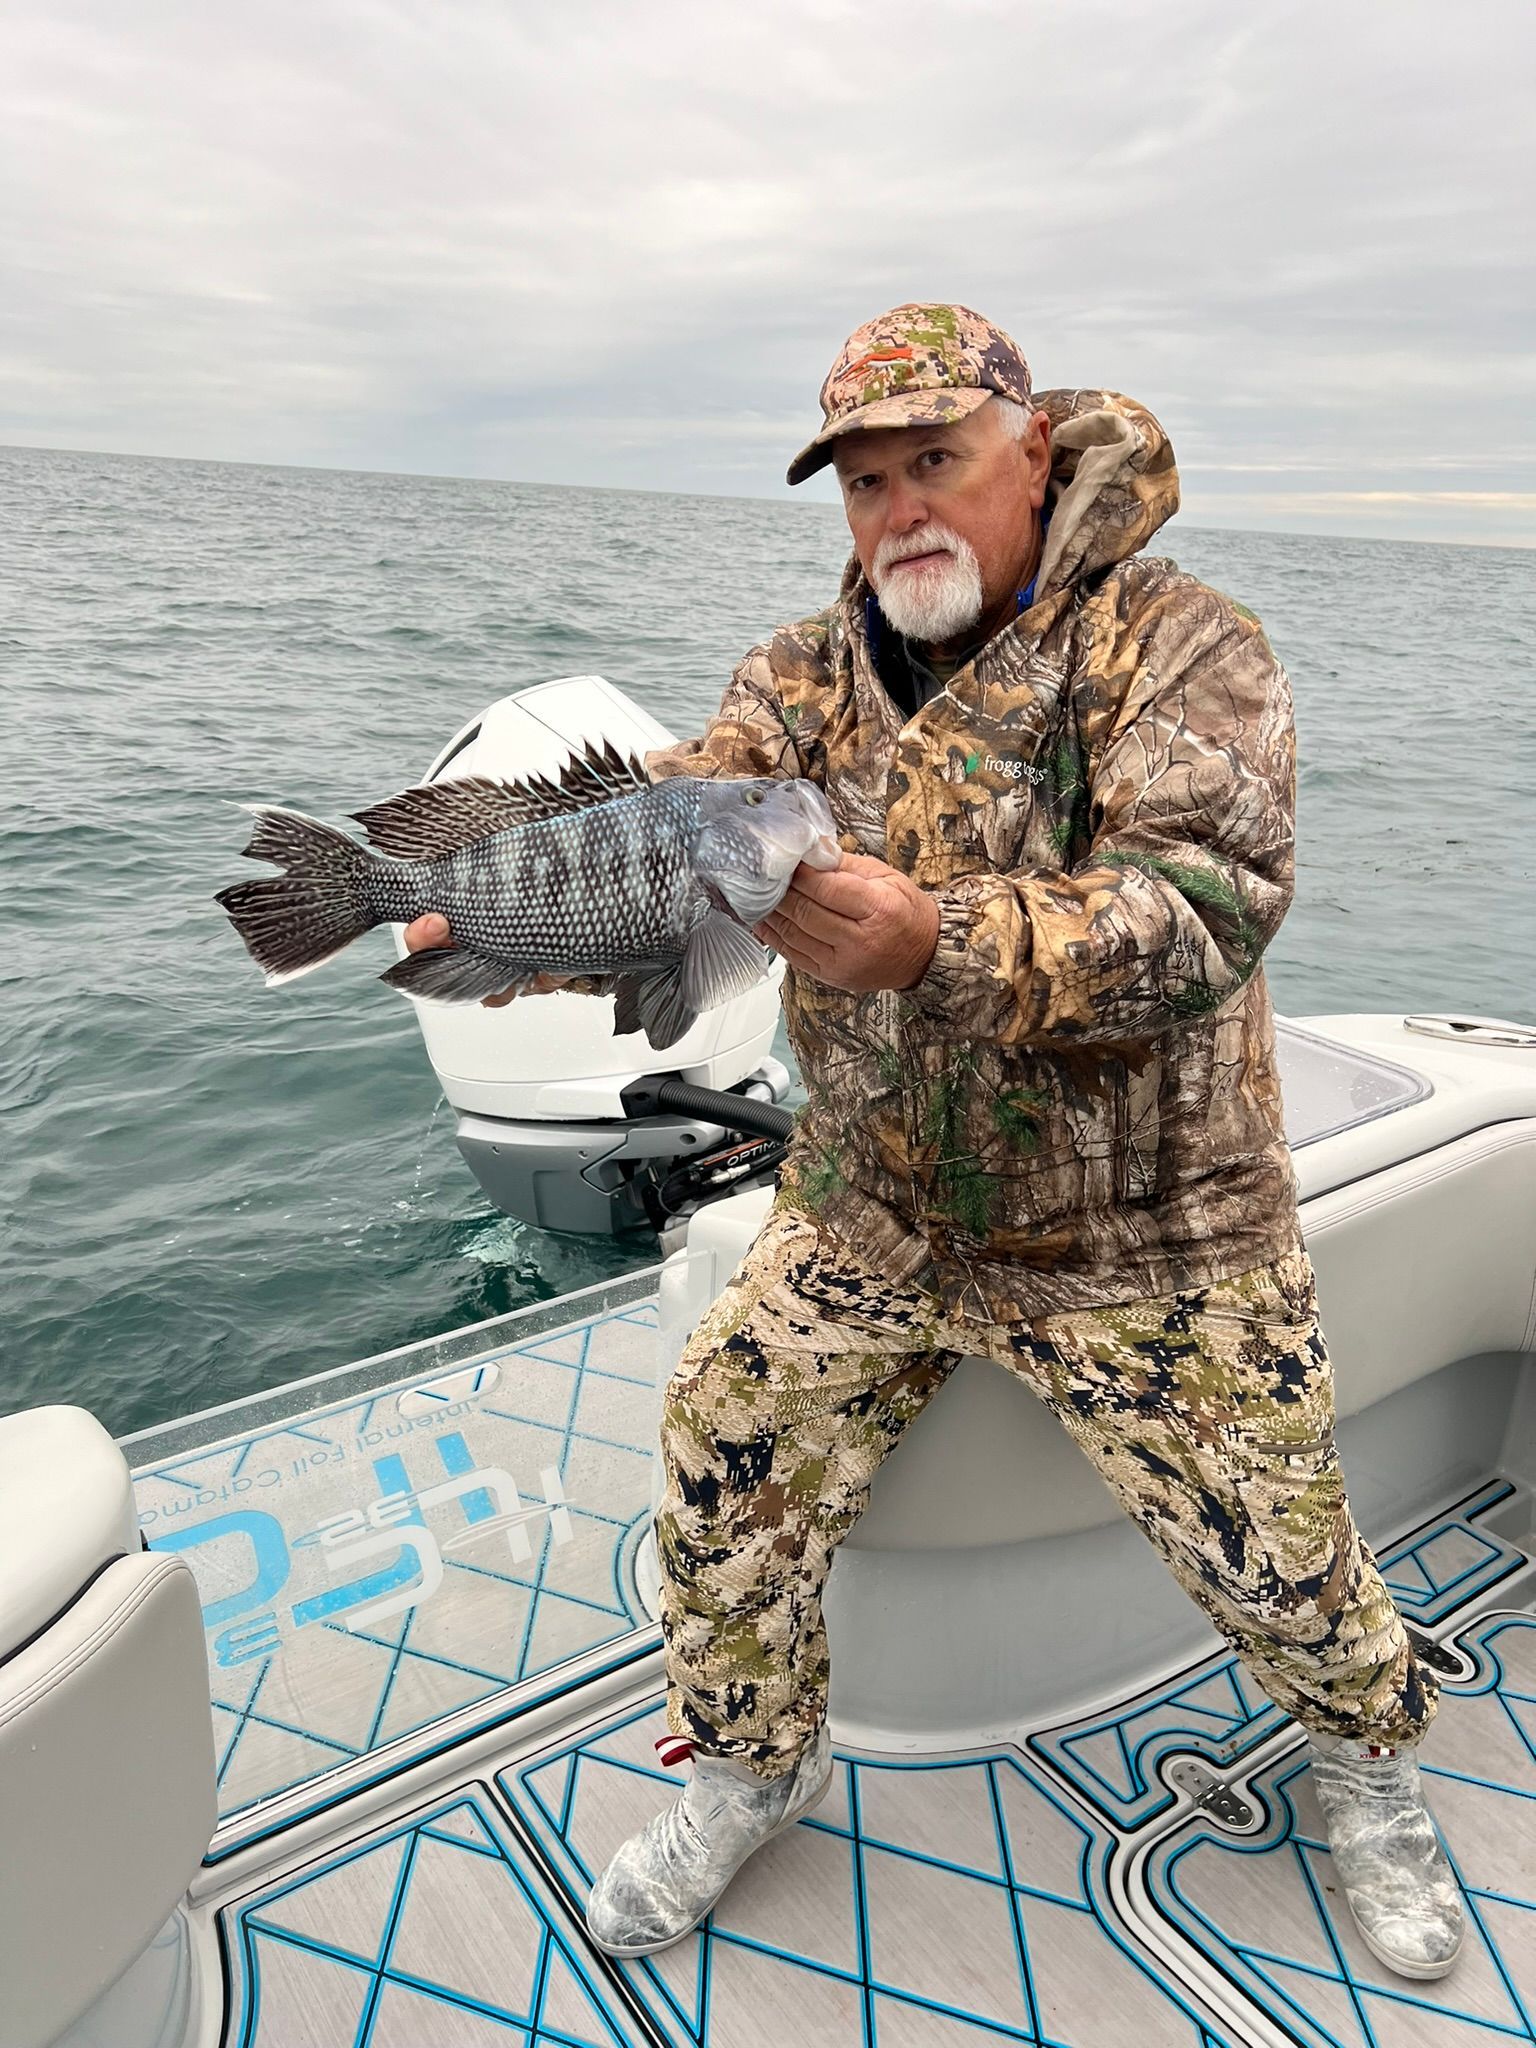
x: 1016, y: 771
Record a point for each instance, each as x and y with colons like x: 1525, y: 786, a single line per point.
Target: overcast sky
x: 620, y: 244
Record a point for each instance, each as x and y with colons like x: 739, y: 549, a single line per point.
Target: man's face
x: 944, y: 518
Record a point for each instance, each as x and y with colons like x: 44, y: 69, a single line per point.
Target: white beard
x: 932, y: 604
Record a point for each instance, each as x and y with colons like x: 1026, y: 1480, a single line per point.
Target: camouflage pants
x: 1208, y: 1413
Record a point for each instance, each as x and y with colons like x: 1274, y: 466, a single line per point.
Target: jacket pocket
x: 1138, y: 1129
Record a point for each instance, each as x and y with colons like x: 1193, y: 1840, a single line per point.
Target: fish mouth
x: 823, y: 851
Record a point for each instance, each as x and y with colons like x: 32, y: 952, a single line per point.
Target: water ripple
x: 212, y: 1188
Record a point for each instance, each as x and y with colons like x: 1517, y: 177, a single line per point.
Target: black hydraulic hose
x: 709, y: 1105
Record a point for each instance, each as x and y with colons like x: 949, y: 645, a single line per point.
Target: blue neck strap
x: 1027, y: 594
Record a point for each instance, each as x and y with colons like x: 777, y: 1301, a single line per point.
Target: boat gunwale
x: 180, y: 1436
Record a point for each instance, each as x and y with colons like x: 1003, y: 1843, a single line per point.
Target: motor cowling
x: 549, y: 1119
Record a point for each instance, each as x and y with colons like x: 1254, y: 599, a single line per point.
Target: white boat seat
x: 107, y: 1796
x: 66, y: 1509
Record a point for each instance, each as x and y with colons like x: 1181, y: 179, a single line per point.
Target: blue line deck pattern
x: 1056, y: 1893
x: 1264, y: 1912
x: 960, y: 1899
x: 432, y: 1932
x: 377, y: 1564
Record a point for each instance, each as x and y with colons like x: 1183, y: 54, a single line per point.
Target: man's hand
x: 429, y: 933
x: 860, y: 926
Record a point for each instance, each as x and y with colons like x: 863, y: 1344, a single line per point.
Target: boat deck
x: 406, y: 1552
x: 438, y: 1694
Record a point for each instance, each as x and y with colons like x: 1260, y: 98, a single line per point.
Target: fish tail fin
x: 298, y: 920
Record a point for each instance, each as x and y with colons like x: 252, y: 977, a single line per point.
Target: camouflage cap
x: 914, y: 366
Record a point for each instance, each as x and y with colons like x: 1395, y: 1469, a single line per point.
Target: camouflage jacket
x: 1079, y: 1102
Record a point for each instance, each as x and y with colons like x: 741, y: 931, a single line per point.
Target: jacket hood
x: 1113, y: 483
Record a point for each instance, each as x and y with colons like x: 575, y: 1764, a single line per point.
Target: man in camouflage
x: 1064, y: 778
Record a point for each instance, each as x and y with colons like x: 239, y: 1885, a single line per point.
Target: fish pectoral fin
x: 452, y: 974
x: 440, y: 817
x: 655, y: 1004
x: 723, y: 960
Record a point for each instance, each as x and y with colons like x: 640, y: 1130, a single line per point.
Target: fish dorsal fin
x: 440, y: 817
x: 595, y: 774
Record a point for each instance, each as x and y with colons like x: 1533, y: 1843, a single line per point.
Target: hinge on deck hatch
x: 1210, y: 1793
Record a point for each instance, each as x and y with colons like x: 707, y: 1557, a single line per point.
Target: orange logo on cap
x: 874, y: 360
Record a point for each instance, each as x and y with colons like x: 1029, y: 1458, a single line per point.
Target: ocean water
x: 211, y: 1188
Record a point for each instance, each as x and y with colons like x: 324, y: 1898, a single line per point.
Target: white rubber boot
x: 1393, y: 1868
x: 664, y: 1880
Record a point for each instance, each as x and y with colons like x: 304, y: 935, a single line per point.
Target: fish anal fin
x: 653, y: 1003
x: 452, y: 974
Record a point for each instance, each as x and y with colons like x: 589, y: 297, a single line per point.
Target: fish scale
x: 605, y: 889
x: 650, y: 889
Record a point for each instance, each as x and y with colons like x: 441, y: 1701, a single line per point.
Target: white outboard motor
x: 562, y: 1123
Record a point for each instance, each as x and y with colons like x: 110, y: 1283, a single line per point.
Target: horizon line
x: 729, y: 497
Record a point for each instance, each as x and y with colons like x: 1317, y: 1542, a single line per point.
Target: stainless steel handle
x: 1476, y: 1030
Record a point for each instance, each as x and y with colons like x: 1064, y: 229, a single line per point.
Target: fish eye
x: 752, y: 796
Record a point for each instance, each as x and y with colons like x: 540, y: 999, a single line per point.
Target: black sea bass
x: 600, y: 873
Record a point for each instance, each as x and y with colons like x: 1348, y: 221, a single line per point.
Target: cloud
x: 1501, y: 519
x: 607, y: 244
x: 1524, y: 500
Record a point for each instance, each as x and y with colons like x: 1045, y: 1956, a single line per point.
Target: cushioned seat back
x: 107, y: 1797
x: 66, y: 1509
x: 106, y: 1790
